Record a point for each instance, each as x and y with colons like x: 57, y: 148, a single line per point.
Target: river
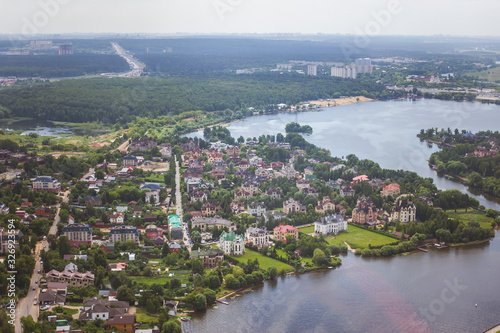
x: 419, y: 292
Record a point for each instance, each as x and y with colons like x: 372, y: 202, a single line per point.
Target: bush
x: 366, y: 253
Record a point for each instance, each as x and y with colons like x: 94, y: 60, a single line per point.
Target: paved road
x: 26, y: 305
x: 122, y: 148
x: 136, y: 67
x: 178, y: 206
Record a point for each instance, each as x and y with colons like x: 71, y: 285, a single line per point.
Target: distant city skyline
x: 370, y: 17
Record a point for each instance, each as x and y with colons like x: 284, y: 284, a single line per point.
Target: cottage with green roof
x: 231, y: 243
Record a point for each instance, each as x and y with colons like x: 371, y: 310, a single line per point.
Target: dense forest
x: 112, y: 100
x: 47, y: 66
x: 473, y: 157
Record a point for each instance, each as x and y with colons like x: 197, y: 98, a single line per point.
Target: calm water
x: 420, y: 292
x: 402, y: 294
x: 42, y: 128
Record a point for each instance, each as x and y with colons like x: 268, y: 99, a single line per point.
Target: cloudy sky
x: 387, y: 17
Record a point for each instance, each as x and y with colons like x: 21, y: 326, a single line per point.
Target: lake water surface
x: 419, y: 292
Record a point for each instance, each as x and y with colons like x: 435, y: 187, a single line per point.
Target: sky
x: 371, y: 17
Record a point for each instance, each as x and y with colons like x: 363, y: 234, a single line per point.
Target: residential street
x: 25, y: 306
x: 178, y: 206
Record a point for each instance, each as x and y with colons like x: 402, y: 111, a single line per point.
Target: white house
x: 231, y: 243
x: 256, y: 209
x: 330, y: 224
x: 116, y: 218
x: 259, y: 237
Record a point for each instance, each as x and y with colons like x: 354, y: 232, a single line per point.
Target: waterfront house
x: 231, y: 243
x: 209, y: 256
x: 404, y: 210
x: 365, y: 212
x: 330, y: 224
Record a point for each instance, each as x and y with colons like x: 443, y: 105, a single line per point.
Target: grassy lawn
x: 360, y: 238
x: 264, y: 262
x: 162, y: 279
x: 307, y: 230
x: 471, y: 215
x: 70, y: 311
x: 74, y: 304
x: 143, y: 317
x: 491, y: 75
x: 155, y: 178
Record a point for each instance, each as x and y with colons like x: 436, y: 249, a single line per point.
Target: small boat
x: 44, y: 307
x: 184, y: 318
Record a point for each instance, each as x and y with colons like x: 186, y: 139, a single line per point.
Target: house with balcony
x: 273, y: 193
x: 205, y: 223
x: 256, y: 209
x: 280, y: 232
x: 404, y: 210
x: 153, y: 232
x: 325, y: 205
x: 231, y: 243
x: 71, y: 278
x: 390, y: 190
x: 330, y: 224
x: 78, y: 234
x: 130, y: 161
x: 347, y: 191
x: 291, y: 205
x: 116, y: 218
x: 46, y: 183
x: 258, y: 237
x: 123, y: 233
x: 365, y: 211
x: 209, y: 256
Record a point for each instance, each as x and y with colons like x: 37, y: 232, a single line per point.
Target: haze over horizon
x: 372, y: 17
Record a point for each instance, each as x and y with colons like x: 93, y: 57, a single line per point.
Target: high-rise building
x: 66, y: 48
x: 364, y: 66
x: 312, y: 70
x: 347, y: 72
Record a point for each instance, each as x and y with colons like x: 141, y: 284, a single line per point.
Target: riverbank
x: 324, y: 103
x: 494, y: 329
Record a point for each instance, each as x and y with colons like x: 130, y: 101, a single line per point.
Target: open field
x: 471, y: 215
x: 264, y: 262
x: 360, y: 238
x: 162, y: 279
x: 142, y: 316
x: 306, y: 230
x: 491, y: 75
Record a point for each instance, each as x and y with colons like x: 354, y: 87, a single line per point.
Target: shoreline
x: 318, y: 104
x: 494, y: 329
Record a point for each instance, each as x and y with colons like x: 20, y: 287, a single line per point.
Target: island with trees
x: 296, y: 128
